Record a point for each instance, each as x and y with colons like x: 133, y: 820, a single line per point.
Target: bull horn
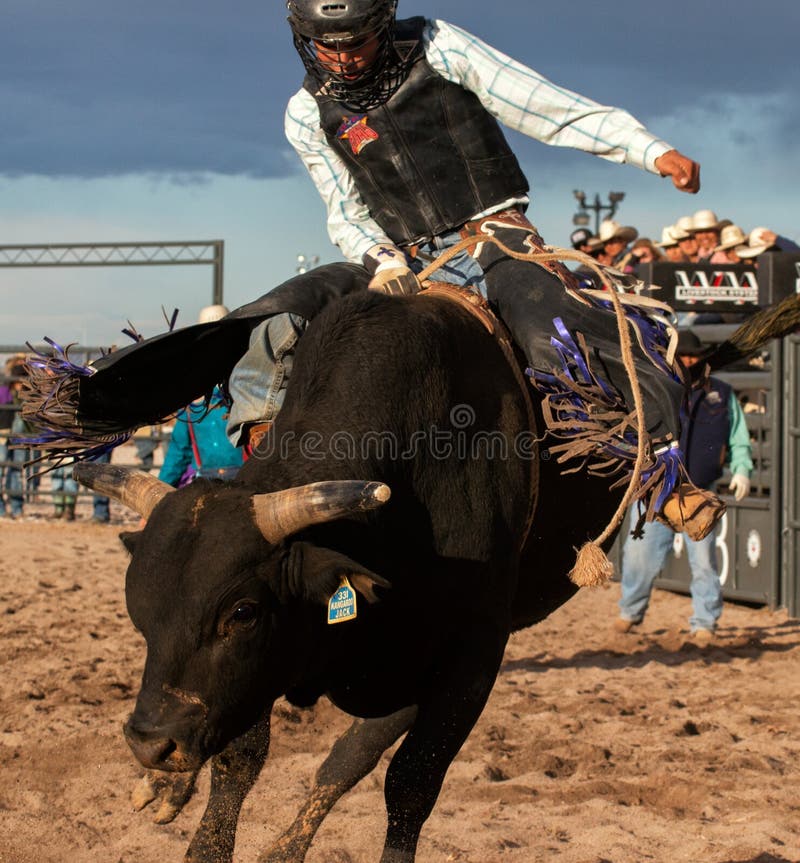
x: 281, y: 513
x: 135, y: 488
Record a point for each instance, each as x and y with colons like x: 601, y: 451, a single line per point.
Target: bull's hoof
x: 171, y: 791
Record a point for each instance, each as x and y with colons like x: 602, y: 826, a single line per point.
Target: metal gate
x: 790, y: 515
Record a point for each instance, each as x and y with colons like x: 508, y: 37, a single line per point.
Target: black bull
x: 229, y: 582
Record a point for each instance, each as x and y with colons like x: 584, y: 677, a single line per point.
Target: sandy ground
x: 595, y: 747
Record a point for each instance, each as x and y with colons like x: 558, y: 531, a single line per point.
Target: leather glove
x: 397, y: 281
x: 740, y: 486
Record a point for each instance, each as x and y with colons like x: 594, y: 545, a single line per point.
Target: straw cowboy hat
x: 758, y: 242
x: 706, y: 220
x: 668, y: 238
x: 611, y: 230
x: 683, y: 228
x: 732, y: 235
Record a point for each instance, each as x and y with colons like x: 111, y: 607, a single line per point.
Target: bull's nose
x: 153, y: 750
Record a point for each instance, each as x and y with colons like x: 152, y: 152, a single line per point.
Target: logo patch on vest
x: 357, y: 132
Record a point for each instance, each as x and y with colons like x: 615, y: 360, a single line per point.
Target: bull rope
x: 592, y: 567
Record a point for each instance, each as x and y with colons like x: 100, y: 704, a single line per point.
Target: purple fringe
x: 50, y: 404
x: 590, y: 415
x: 654, y: 334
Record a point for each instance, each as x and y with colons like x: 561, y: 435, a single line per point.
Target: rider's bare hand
x: 685, y: 173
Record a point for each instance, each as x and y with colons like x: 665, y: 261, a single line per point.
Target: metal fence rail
x: 133, y: 254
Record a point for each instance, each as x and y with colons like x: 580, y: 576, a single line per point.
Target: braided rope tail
x: 592, y: 566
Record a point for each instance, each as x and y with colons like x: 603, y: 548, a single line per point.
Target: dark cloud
x: 96, y: 89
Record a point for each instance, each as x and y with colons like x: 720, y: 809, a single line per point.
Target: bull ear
x: 318, y: 573
x: 129, y: 538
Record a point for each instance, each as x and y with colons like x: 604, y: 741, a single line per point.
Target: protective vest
x: 429, y: 158
x: 706, y: 431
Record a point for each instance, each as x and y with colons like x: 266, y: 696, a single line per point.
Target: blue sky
x: 164, y: 121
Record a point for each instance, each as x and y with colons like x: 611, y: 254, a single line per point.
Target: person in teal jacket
x: 200, y: 446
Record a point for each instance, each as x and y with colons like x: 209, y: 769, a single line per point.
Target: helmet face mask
x: 347, y: 48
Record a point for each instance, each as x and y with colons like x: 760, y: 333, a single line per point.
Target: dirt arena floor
x: 595, y: 747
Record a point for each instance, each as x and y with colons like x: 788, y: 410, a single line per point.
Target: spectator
x: 611, y: 243
x: 716, y: 428
x: 101, y: 506
x: 580, y: 240
x: 64, y: 491
x: 6, y: 417
x: 683, y: 231
x: 146, y: 441
x: 763, y: 240
x: 17, y: 456
x: 199, y: 444
x: 669, y: 244
x: 706, y: 227
x: 586, y: 276
x: 645, y: 251
x: 730, y: 237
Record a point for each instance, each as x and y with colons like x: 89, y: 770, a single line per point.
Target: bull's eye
x: 245, y: 613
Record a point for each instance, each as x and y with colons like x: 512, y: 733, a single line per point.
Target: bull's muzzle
x: 164, y: 747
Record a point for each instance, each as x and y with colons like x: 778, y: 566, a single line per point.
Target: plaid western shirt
x: 519, y: 97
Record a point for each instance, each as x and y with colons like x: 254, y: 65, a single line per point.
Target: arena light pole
x: 305, y: 264
x: 582, y: 217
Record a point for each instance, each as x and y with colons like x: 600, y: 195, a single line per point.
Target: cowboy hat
x: 683, y: 228
x: 706, y: 220
x: 731, y: 235
x: 757, y: 243
x: 209, y: 314
x: 611, y: 230
x: 668, y: 237
x: 689, y: 345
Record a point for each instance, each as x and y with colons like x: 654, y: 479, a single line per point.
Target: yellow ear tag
x: 342, y: 605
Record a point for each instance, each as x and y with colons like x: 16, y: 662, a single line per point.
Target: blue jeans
x: 63, y: 487
x: 101, y: 505
x: 3, y: 457
x: 13, y: 481
x: 642, y: 560
x: 258, y: 381
x: 462, y: 269
x: 101, y: 509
